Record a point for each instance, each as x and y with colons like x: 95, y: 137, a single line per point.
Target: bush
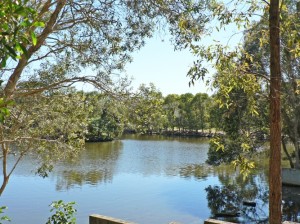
x: 64, y: 213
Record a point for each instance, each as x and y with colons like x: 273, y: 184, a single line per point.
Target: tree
x: 275, y: 184
x: 48, y: 135
x: 147, y: 112
x: 233, y: 13
x: 199, y: 109
x: 107, y: 119
x: 256, y: 44
x: 171, y: 107
x: 16, y: 24
x: 239, y: 124
x: 70, y: 41
x: 184, y: 120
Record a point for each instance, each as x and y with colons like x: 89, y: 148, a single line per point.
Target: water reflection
x: 151, y: 156
x: 146, y: 180
x: 291, y: 203
x: 95, y: 165
x: 198, y: 171
x: 242, y: 200
x: 242, y: 205
x: 101, y: 162
x: 234, y: 197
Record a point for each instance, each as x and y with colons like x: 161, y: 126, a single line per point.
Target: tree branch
x: 15, y: 76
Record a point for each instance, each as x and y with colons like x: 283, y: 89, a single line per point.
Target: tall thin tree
x: 275, y: 116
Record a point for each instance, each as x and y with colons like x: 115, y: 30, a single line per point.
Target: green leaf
x: 33, y: 37
x: 25, y: 23
x: 11, y: 51
x: 38, y: 24
x: 25, y: 52
x: 20, y: 10
x: 3, y: 62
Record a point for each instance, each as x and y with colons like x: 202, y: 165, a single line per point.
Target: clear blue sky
x: 157, y: 62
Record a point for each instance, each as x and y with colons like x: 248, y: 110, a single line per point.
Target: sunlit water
x: 147, y: 180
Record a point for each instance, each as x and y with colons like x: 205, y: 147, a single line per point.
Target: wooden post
x: 101, y: 219
x: 214, y: 221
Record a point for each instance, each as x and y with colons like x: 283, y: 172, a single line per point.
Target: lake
x: 143, y: 179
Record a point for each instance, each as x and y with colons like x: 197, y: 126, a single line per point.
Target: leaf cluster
x: 3, y: 218
x: 62, y: 213
x: 17, y: 24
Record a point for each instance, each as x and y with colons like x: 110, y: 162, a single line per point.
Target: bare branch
x: 64, y: 83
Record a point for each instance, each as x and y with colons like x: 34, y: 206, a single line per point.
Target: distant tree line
x: 147, y: 111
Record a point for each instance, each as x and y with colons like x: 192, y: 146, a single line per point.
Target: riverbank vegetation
x: 54, y: 44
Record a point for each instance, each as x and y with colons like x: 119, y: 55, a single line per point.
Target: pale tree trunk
x: 275, y: 187
x: 11, y: 84
x: 5, y: 177
x: 5, y: 172
x: 15, y: 76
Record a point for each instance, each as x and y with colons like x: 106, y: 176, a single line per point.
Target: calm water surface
x: 147, y: 180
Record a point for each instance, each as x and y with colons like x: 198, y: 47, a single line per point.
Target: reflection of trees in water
x: 291, y: 203
x: 198, y: 171
x: 71, y: 178
x: 228, y: 198
x: 235, y: 204
x: 95, y: 165
x: 235, y: 193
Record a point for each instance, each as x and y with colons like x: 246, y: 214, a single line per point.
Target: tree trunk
x: 3, y: 186
x: 286, y: 152
x: 15, y: 76
x: 4, y: 168
x: 275, y: 116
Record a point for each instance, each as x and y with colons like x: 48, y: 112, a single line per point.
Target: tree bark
x: 15, y: 76
x: 4, y: 168
x: 275, y: 187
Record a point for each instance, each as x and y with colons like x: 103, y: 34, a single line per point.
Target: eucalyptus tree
x: 171, y: 107
x: 199, y: 108
x: 184, y: 121
x: 15, y: 20
x: 107, y: 120
x: 71, y: 41
x: 255, y: 44
x: 242, y: 129
x: 146, y: 112
x: 33, y: 129
x: 95, y: 34
x: 290, y: 74
x: 240, y: 13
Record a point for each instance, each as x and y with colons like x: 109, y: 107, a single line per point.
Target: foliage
x: 184, y: 118
x: 17, y: 24
x: 199, y: 108
x: 63, y: 213
x: 147, y: 110
x: 239, y: 12
x: 238, y: 116
x: 34, y: 129
x: 107, y: 119
x: 61, y: 43
x: 3, y: 218
x: 257, y: 44
x: 171, y: 108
